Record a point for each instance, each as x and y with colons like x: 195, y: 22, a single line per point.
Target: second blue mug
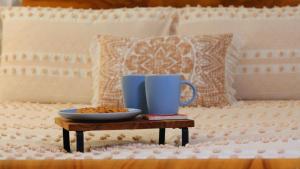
x: 163, y: 93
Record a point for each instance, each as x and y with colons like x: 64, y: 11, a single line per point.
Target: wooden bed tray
x: 156, y: 164
x: 80, y: 127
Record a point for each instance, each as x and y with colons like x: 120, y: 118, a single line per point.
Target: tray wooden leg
x: 162, y: 132
x: 185, y: 136
x: 79, y: 141
x: 66, y: 140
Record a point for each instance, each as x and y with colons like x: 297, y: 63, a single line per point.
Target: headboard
x: 108, y: 4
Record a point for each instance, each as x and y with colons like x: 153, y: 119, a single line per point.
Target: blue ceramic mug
x: 134, y: 92
x: 163, y: 93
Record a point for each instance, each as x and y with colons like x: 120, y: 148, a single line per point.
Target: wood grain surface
x: 132, y: 124
x: 154, y: 164
x: 108, y: 4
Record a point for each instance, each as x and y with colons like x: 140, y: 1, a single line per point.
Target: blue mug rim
x: 151, y: 75
x: 133, y: 75
x: 162, y: 75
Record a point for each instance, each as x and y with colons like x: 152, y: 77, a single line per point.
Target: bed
x: 248, y: 134
x: 246, y: 130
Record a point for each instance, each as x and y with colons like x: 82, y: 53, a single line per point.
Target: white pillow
x: 270, y: 66
x: 1, y: 9
x: 45, y: 50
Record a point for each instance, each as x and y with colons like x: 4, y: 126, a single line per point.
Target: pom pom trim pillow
x: 46, y: 50
x: 1, y: 9
x: 207, y: 61
x: 270, y: 56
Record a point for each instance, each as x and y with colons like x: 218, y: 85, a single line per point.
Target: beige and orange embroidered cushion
x: 46, y: 50
x: 270, y: 62
x: 207, y: 61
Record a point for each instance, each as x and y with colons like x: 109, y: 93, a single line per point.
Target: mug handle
x: 194, y: 93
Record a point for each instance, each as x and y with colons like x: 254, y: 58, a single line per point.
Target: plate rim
x: 134, y: 110
x: 100, y: 116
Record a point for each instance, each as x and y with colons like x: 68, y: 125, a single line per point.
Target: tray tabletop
x: 119, y: 125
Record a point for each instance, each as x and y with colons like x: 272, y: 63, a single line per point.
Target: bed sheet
x: 248, y: 129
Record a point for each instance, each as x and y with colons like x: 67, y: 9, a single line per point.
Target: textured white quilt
x: 268, y: 129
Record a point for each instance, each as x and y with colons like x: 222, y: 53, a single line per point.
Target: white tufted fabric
x: 265, y: 129
x: 46, y: 50
x: 3, y: 4
x: 1, y: 9
x: 269, y: 68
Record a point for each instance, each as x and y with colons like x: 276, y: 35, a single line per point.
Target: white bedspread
x: 268, y: 129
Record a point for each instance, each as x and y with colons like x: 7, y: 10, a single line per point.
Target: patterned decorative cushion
x: 270, y: 65
x: 207, y: 61
x: 45, y: 50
